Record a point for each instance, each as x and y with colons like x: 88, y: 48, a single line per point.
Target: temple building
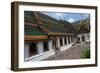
x: 83, y: 30
x: 45, y: 36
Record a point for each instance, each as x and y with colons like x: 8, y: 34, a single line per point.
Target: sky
x: 70, y: 17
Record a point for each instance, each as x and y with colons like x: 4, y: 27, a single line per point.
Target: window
x: 33, y: 49
x: 83, y: 38
x: 45, y: 45
x: 65, y: 40
x: 61, y: 42
x: 78, y: 40
x: 72, y: 38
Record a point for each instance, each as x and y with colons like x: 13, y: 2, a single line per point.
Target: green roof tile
x: 31, y: 31
x: 55, y: 29
x: 41, y: 15
x: 29, y: 17
x: 49, y: 23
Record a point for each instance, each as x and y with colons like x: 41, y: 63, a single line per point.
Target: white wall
x: 86, y: 37
x: 41, y: 54
x: 5, y: 28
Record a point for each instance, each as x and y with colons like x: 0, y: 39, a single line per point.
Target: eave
x: 35, y: 37
x: 60, y: 34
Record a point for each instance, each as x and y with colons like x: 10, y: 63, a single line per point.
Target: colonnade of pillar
x: 65, y: 40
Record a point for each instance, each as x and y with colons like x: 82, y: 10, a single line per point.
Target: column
x: 85, y: 37
x: 67, y: 40
x: 40, y: 47
x: 50, y: 45
x: 88, y: 37
x: 26, y: 50
x: 63, y: 41
x: 58, y: 42
x: 80, y: 39
x: 72, y: 39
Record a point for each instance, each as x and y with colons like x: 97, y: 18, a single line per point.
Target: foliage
x: 85, y: 53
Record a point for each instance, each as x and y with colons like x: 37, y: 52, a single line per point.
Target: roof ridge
x: 49, y: 16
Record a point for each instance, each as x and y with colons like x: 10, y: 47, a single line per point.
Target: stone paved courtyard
x: 72, y: 53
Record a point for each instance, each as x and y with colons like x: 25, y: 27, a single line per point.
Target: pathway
x: 72, y: 53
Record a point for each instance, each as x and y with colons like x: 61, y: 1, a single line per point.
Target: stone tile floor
x: 73, y: 52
